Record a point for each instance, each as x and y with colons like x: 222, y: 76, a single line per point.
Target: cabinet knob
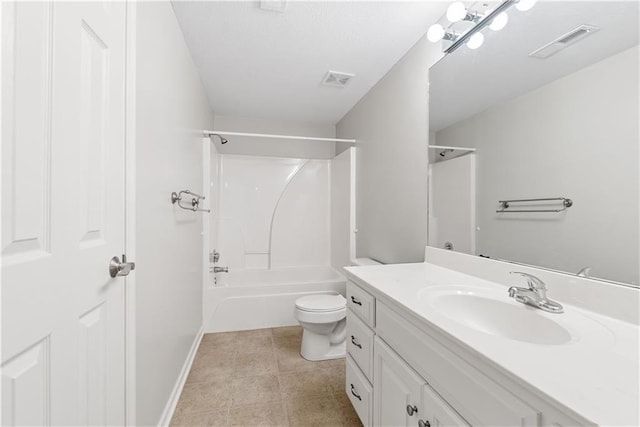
x: 411, y: 410
x: 424, y: 423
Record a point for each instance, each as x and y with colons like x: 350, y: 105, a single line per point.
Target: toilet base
x: 316, y: 347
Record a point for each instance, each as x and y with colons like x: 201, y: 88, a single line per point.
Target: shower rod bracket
x: 195, y: 201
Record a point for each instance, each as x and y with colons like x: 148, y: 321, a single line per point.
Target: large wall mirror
x: 561, y: 124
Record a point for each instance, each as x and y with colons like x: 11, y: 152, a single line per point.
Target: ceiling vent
x: 564, y: 41
x: 273, y: 5
x: 337, y: 79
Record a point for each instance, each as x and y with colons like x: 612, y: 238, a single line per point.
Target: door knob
x: 117, y: 268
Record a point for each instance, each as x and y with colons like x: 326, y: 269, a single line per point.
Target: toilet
x: 323, y: 321
x: 323, y: 318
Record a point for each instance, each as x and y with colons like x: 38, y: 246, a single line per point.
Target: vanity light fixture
x: 475, y: 41
x: 456, y: 12
x: 495, y: 19
x: 499, y: 22
x: 437, y: 32
x: 524, y: 5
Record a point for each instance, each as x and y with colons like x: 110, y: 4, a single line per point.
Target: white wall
x: 171, y: 113
x: 276, y: 147
x: 391, y: 126
x: 587, y: 151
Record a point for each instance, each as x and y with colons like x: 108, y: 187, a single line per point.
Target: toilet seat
x: 321, y: 303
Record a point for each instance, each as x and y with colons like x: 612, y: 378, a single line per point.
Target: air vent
x: 337, y: 79
x: 564, y: 41
x: 273, y: 5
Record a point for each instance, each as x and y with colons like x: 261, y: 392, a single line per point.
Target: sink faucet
x: 535, y: 295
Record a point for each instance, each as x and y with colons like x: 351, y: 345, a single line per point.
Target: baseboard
x: 167, y: 414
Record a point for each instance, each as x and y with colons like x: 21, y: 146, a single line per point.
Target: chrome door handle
x: 424, y: 423
x: 411, y: 410
x: 117, y: 268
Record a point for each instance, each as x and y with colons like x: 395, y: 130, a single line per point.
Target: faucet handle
x: 533, y: 282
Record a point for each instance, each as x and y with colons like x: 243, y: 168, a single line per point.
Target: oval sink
x: 501, y: 318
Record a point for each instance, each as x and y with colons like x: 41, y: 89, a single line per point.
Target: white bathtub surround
x: 279, y: 221
x: 274, y: 212
x: 343, y: 209
x: 587, y: 372
x: 255, y: 299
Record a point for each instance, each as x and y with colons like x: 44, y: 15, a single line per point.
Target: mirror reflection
x: 558, y: 124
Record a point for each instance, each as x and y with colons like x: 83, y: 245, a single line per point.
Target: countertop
x: 596, y: 375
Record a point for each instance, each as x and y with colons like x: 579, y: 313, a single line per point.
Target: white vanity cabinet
x: 396, y: 401
x: 403, y: 372
x: 360, y: 342
x: 403, y: 397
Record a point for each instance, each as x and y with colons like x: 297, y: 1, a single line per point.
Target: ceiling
x: 469, y: 81
x: 264, y: 64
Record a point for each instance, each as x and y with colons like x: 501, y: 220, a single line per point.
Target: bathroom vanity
x: 429, y: 345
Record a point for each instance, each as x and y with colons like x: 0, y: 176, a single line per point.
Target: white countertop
x: 596, y: 375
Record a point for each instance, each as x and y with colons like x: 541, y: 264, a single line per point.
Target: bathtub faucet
x: 218, y: 269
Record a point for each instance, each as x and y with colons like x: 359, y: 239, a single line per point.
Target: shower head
x: 222, y: 140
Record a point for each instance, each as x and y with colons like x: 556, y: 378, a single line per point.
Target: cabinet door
x: 396, y: 390
x: 436, y: 412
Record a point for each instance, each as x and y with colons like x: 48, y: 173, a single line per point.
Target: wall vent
x: 273, y: 5
x: 564, y: 41
x: 337, y: 79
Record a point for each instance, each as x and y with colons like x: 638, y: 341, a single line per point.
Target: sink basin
x: 492, y: 315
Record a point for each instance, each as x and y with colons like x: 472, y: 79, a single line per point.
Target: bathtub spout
x: 339, y: 333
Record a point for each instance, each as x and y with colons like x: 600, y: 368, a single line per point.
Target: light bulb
x: 524, y: 5
x: 475, y: 41
x: 499, y: 22
x: 435, y: 33
x: 456, y: 12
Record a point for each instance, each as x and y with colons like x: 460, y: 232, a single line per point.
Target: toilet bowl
x: 323, y: 321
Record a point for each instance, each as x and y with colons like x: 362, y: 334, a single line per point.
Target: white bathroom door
x: 63, y: 116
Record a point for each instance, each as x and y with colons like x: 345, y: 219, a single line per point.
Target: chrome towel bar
x: 195, y: 201
x: 505, y: 205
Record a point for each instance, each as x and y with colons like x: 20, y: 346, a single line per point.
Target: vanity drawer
x: 359, y: 391
x: 360, y: 343
x: 362, y: 303
x: 473, y: 395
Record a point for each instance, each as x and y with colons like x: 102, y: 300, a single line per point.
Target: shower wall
x: 273, y: 212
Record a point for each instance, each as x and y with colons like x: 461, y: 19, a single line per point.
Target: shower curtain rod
x: 266, y: 135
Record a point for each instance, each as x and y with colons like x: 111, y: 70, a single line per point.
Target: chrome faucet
x: 535, y: 295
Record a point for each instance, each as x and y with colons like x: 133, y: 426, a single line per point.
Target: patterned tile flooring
x: 258, y: 378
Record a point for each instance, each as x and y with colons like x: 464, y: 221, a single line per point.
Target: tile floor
x: 258, y: 378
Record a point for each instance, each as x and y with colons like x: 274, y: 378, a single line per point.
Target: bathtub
x: 254, y: 299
